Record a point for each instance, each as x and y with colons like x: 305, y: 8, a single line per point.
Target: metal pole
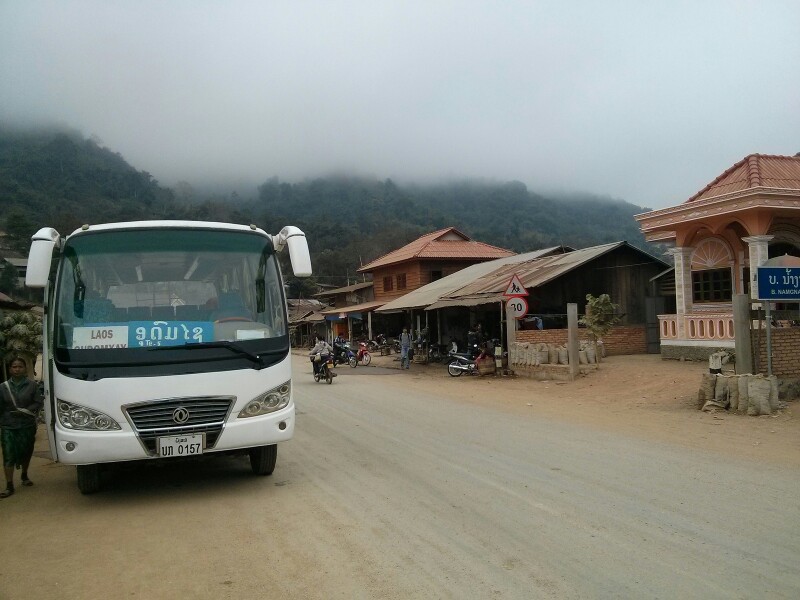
x: 572, y: 339
x: 769, y: 338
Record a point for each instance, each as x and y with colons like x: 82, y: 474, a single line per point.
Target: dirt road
x: 417, y: 485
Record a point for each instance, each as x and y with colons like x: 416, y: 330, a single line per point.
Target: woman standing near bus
x: 20, y: 402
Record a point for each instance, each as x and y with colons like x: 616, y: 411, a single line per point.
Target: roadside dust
x: 639, y: 395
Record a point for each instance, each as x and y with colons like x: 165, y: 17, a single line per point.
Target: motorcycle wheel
x: 353, y: 361
x: 452, y: 368
x: 329, y: 378
x: 366, y: 359
x: 316, y: 377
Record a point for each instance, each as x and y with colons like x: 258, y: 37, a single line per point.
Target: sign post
x: 516, y: 308
x: 776, y: 283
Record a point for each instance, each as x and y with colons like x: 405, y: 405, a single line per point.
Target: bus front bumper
x: 78, y: 447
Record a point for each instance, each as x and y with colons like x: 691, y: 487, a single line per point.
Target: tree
x: 600, y: 317
x: 21, y: 335
x: 8, y: 278
x: 19, y: 227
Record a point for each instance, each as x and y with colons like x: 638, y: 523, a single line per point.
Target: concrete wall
x: 621, y: 340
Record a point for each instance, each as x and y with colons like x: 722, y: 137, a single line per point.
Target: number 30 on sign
x: 517, y: 307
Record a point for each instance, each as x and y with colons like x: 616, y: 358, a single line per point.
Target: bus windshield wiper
x: 233, y: 346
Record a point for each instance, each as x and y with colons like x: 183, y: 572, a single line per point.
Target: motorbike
x: 461, y: 362
x: 466, y: 362
x: 342, y: 353
x: 437, y: 352
x: 363, y: 354
x: 374, y: 345
x: 325, y: 372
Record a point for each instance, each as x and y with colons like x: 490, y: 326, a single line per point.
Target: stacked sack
x: 746, y: 394
x: 527, y: 354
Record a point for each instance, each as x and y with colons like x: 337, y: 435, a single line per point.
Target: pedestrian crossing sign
x: 515, y: 288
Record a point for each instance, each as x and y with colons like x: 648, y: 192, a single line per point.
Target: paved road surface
x: 389, y: 493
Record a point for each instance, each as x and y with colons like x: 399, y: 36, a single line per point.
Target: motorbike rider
x: 339, y: 350
x: 474, y: 340
x: 322, y: 349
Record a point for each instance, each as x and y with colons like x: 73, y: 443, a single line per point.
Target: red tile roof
x: 448, y: 243
x: 756, y: 170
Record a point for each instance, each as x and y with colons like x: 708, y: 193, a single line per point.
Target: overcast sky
x: 642, y: 101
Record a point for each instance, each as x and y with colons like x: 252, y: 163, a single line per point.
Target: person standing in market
x: 20, y: 402
x: 405, y: 346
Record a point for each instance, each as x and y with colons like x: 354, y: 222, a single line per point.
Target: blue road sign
x: 778, y: 283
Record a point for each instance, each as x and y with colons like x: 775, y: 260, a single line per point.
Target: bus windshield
x: 123, y: 291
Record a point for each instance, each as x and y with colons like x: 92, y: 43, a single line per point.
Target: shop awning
x: 344, y: 311
x: 451, y: 302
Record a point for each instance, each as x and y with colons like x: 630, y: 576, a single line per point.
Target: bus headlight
x: 270, y: 401
x: 75, y: 416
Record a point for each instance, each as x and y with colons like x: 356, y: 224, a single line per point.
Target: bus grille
x: 154, y: 419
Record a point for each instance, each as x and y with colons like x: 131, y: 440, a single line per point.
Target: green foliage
x: 8, y: 278
x: 600, y: 315
x: 21, y: 335
x: 57, y: 178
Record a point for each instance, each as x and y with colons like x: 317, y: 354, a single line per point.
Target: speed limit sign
x: 517, y: 307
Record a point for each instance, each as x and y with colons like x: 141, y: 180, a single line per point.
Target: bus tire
x: 263, y: 458
x: 89, y: 479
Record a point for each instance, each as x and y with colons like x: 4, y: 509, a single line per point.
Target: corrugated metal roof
x: 363, y: 307
x: 476, y: 301
x: 432, y: 292
x: 535, y: 272
x: 348, y: 288
x: 313, y: 317
x: 447, y: 243
x: 755, y: 170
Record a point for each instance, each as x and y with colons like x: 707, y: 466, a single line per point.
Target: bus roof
x: 159, y: 224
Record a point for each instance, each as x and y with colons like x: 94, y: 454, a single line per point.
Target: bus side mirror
x: 40, y: 257
x: 298, y: 249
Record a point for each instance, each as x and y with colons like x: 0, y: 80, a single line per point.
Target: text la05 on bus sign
x: 517, y: 307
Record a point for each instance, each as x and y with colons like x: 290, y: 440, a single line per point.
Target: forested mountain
x: 61, y: 179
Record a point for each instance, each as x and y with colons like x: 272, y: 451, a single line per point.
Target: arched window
x: 712, y: 276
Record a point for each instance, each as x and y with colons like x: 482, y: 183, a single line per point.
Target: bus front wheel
x: 263, y: 458
x: 89, y: 478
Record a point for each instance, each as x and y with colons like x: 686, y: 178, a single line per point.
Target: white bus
x: 165, y: 339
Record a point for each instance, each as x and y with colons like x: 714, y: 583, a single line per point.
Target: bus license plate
x: 180, y: 445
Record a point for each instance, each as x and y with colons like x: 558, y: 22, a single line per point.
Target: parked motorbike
x: 437, y: 352
x: 325, y: 372
x: 374, y: 345
x: 461, y: 362
x: 363, y: 354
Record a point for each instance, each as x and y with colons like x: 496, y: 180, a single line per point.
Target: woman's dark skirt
x: 17, y: 445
